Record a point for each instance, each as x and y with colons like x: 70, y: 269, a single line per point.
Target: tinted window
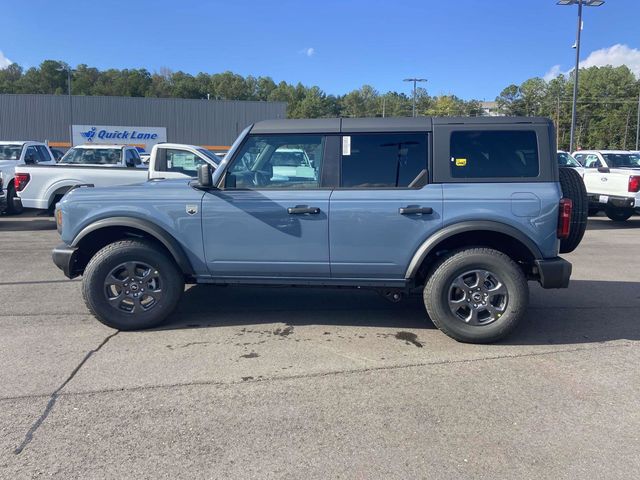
x: 183, y: 162
x: 622, y: 160
x: 44, y: 153
x: 10, y: 152
x: 278, y: 161
x: 382, y: 160
x: 31, y: 155
x: 490, y: 154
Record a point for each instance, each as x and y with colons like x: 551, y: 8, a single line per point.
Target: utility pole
x: 384, y: 105
x: 558, y: 124
x: 415, y: 81
x: 68, y: 69
x: 580, y: 3
x: 638, y: 125
x: 626, y: 130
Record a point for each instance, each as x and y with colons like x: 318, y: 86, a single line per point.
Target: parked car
x: 612, y: 179
x: 466, y: 209
x: 106, y: 165
x: 566, y: 160
x: 57, y: 153
x: 15, y: 154
x: 3, y: 195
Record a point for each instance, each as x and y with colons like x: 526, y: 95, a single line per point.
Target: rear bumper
x: 614, y: 201
x: 553, y: 272
x: 65, y: 258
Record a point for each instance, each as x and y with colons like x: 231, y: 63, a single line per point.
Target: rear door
x: 267, y: 222
x: 383, y: 207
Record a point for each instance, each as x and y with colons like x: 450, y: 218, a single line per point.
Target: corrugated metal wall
x: 200, y: 122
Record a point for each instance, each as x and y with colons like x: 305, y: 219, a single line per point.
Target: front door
x: 384, y: 208
x: 271, y: 217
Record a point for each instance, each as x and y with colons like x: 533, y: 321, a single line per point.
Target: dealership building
x: 140, y: 121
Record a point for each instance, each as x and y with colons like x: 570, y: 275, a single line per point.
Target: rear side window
x: 382, y: 160
x: 44, y: 153
x: 494, y: 154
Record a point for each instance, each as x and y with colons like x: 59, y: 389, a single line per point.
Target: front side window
x: 278, y: 161
x: 494, y: 154
x: 592, y: 161
x: 180, y: 161
x: 392, y: 160
x: 566, y: 160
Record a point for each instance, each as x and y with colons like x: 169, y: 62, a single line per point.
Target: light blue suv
x: 465, y: 209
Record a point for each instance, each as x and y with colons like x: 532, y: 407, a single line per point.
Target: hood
x: 155, y: 190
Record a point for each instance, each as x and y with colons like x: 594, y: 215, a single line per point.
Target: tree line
x: 607, y: 111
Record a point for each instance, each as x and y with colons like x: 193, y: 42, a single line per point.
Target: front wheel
x: 619, y: 214
x: 132, y: 285
x: 476, y: 295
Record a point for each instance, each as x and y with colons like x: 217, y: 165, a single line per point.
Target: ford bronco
x: 465, y: 209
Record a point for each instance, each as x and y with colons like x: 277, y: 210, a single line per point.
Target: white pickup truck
x: 106, y: 165
x: 612, y: 179
x: 16, y: 154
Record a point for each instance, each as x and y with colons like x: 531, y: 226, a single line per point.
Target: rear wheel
x: 619, y: 214
x: 573, y: 188
x: 14, y: 206
x: 476, y: 295
x: 131, y: 285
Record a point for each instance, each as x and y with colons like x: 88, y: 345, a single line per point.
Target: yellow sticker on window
x: 461, y: 162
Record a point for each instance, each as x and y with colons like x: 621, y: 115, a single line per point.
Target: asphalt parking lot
x: 290, y: 383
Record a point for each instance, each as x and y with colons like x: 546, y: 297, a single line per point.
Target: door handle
x: 415, y: 210
x: 303, y: 210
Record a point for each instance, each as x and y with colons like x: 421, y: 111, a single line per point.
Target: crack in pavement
x: 354, y: 371
x: 53, y: 398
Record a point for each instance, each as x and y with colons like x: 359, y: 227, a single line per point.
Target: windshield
x: 93, y: 156
x: 566, y: 160
x: 622, y: 160
x: 10, y: 152
x: 210, y: 155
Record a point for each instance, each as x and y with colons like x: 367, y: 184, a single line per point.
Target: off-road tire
x: 12, y: 208
x: 114, y: 254
x: 619, y: 214
x: 436, y: 294
x: 574, y: 189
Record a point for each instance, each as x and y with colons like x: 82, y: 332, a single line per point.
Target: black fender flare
x: 160, y: 234
x: 468, y: 226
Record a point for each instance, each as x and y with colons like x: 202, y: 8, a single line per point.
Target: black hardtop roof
x: 389, y: 124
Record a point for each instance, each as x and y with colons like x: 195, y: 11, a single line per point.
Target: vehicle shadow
x: 20, y: 224
x: 587, y: 312
x: 603, y: 223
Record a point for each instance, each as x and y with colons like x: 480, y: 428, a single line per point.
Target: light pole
x: 68, y: 70
x: 415, y: 81
x: 580, y: 3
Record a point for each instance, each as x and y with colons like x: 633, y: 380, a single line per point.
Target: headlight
x: 59, y: 220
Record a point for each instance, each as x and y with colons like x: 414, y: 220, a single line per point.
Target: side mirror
x: 130, y: 162
x: 604, y: 170
x: 204, y: 176
x: 230, y: 181
x: 29, y: 159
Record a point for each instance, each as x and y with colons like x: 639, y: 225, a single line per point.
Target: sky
x: 469, y: 48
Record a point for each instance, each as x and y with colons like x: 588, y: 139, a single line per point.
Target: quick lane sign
x: 145, y: 137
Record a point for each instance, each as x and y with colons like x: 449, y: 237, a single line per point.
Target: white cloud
x: 615, y: 56
x: 4, y: 61
x: 309, y: 52
x: 553, y: 73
